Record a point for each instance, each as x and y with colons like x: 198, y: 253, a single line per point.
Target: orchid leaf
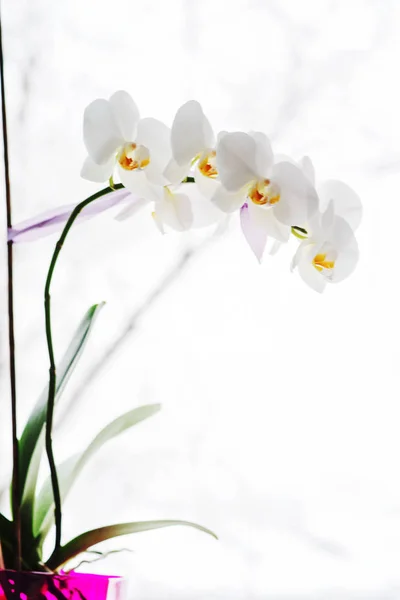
x: 69, y: 470
x: 6, y: 528
x: 32, y: 439
x: 6, y: 540
x: 96, y: 536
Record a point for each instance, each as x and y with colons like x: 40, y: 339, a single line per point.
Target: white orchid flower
x: 346, y: 203
x: 330, y: 253
x: 192, y: 141
x: 272, y: 196
x: 193, y: 146
x: 183, y: 207
x: 114, y: 135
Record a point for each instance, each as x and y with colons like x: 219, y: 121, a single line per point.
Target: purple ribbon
x: 50, y: 221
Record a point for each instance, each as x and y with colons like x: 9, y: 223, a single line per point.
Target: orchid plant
x: 190, y: 177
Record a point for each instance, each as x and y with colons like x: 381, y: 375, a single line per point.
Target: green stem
x: 52, y: 370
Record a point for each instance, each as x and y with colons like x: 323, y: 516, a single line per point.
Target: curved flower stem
x: 15, y: 476
x: 52, y: 370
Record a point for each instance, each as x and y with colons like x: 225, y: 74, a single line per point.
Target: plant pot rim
x: 63, y: 574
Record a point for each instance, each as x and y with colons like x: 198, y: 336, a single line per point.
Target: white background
x: 280, y: 420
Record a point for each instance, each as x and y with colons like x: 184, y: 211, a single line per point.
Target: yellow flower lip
x: 207, y: 165
x: 264, y: 193
x: 132, y: 157
x: 321, y: 263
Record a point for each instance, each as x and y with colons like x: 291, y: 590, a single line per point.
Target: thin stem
x: 15, y: 476
x: 52, y: 370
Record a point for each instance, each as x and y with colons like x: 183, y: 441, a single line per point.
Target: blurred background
x: 280, y: 420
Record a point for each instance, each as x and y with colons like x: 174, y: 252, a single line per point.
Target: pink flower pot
x: 28, y: 585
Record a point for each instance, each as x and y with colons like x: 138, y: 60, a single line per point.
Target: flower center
x: 132, y: 157
x: 264, y: 192
x: 208, y: 166
x: 323, y: 263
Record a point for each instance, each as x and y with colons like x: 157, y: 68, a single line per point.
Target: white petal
x: 341, y: 235
x: 276, y: 246
x: 343, y: 240
x: 220, y: 135
x: 236, y: 160
x: 298, y: 200
x: 99, y: 173
x: 266, y: 219
x: 328, y: 217
x: 137, y: 183
x: 126, y: 114
x: 346, y: 202
x: 308, y: 168
x: 213, y: 190
x: 297, y: 257
x: 264, y: 154
x: 283, y: 158
x: 310, y: 275
x: 207, y: 185
x: 158, y: 222
x: 176, y: 173
x: 204, y: 211
x: 346, y: 262
x: 228, y: 202
x: 175, y: 210
x: 155, y: 135
x: 101, y: 133
x: 255, y: 234
x: 191, y: 133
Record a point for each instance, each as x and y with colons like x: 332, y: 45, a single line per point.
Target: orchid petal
x: 308, y: 169
x: 176, y: 173
x: 175, y: 210
x: 255, y: 234
x: 101, y: 133
x: 328, y: 217
x: 266, y: 219
x: 298, y: 198
x: 342, y: 234
x: 264, y: 155
x: 228, y: 202
x: 236, y: 160
x: 98, y: 173
x: 213, y: 190
x: 280, y: 157
x: 138, y: 183
x: 346, y: 202
x: 309, y: 273
x: 204, y: 212
x: 208, y: 186
x: 155, y: 136
x: 276, y: 246
x: 191, y: 133
x: 296, y: 257
x: 346, y: 261
x: 126, y: 114
x: 158, y: 222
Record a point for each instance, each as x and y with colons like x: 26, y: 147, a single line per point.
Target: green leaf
x: 6, y: 529
x: 7, y: 541
x: 96, y: 536
x: 69, y: 470
x: 32, y: 440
